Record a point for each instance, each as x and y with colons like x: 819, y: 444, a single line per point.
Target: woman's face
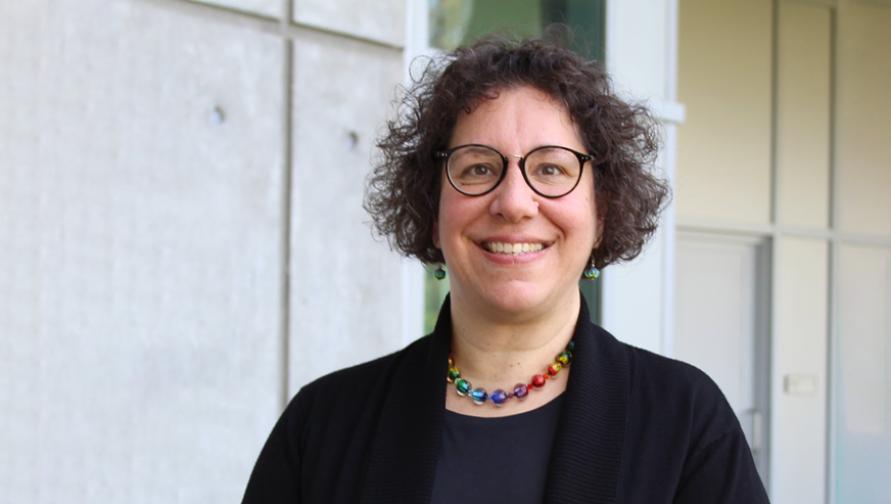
x: 473, y: 232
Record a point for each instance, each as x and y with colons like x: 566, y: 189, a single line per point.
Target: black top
x: 634, y: 427
x: 503, y: 459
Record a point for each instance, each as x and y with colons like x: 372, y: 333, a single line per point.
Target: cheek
x: 458, y: 215
x: 445, y: 209
x: 449, y: 214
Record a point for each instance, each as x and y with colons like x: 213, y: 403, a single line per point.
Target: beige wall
x: 786, y: 137
x: 863, y: 109
x: 724, y: 81
x: 803, y: 115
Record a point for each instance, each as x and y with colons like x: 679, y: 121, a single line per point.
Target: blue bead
x: 478, y: 395
x: 498, y: 397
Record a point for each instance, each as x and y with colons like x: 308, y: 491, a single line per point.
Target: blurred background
x: 182, y: 243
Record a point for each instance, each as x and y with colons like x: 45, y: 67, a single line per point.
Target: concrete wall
x: 183, y: 242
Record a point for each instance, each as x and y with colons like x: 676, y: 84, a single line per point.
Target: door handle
x: 757, y: 425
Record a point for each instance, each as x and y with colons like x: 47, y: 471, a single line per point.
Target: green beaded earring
x: 591, y: 272
x: 439, y: 273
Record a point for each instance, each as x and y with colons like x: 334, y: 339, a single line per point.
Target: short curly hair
x: 403, y: 190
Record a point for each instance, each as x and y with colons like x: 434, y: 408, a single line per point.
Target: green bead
x: 564, y: 358
x: 439, y: 273
x: 462, y: 386
x: 454, y: 374
x: 591, y: 273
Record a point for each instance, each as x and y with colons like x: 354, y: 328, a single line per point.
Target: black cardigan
x: 634, y: 427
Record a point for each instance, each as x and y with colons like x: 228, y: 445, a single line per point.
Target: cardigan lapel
x: 586, y: 455
x: 402, y: 461
x: 587, y: 451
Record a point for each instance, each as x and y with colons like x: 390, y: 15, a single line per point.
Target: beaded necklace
x: 499, y: 396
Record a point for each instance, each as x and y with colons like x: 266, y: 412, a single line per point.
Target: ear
x: 436, y: 235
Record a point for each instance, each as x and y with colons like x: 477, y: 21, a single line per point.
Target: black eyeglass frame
x: 443, y: 155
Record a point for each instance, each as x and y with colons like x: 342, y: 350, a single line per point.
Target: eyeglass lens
x: 551, y: 171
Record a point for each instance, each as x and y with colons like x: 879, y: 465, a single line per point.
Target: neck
x: 498, y: 353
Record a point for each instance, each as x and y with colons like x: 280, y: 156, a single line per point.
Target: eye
x: 477, y: 171
x: 549, y: 170
x: 474, y: 165
x: 480, y: 170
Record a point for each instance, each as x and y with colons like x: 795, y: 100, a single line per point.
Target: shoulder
x: 325, y: 429
x: 680, y: 426
x: 649, y: 370
x: 356, y: 382
x: 345, y: 395
x: 685, y: 397
x: 676, y: 378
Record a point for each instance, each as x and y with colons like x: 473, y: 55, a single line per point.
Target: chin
x: 517, y: 300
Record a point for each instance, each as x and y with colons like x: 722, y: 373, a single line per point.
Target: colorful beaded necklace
x: 499, y: 396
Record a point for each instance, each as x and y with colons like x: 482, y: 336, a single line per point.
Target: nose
x: 513, y: 199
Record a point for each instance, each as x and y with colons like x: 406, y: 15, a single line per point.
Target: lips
x: 513, y: 248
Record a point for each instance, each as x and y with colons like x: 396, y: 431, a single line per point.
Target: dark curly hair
x: 404, y: 187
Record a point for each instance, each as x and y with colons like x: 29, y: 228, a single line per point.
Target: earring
x: 591, y: 272
x: 439, y: 273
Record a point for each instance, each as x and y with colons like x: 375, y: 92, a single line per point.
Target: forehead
x: 517, y: 118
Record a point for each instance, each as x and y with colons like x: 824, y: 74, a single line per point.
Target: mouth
x: 513, y: 248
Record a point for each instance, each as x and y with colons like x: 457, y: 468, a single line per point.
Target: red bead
x: 554, y: 368
x: 538, y: 380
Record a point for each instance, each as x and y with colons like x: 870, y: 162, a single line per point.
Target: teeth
x: 513, y: 248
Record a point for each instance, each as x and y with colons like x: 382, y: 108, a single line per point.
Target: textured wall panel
x: 382, y: 20
x: 803, y: 123
x: 724, y: 80
x: 271, y: 8
x: 862, y: 147
x: 346, y: 301
x: 140, y: 273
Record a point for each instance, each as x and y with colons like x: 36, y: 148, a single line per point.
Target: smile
x: 512, y: 248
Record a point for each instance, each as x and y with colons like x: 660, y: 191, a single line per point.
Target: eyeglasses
x: 550, y: 170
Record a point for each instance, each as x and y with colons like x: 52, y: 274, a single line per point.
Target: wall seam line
x: 284, y: 26
x: 288, y: 204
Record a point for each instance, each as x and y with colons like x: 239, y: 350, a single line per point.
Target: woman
x: 517, y: 169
